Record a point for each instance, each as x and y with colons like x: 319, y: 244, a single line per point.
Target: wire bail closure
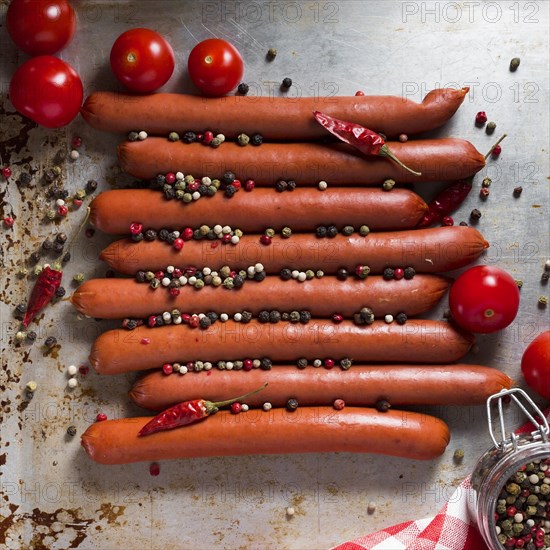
x: 528, y: 407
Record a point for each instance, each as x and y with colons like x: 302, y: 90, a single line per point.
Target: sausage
x: 362, y: 385
x: 305, y: 163
x: 277, y: 118
x: 417, y: 341
x: 114, y: 211
x: 306, y: 430
x: 430, y: 250
x: 321, y: 297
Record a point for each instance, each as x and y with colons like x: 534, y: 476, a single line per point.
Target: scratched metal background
x: 52, y: 495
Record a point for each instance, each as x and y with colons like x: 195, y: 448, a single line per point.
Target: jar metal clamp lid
x: 505, y: 458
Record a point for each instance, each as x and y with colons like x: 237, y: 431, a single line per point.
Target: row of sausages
x: 390, y: 215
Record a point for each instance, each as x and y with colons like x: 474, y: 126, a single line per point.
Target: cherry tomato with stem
x: 484, y: 299
x: 40, y: 27
x: 215, y: 66
x: 142, y: 60
x: 535, y: 364
x: 47, y: 90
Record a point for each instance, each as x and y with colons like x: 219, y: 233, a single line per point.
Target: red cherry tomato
x: 47, y: 90
x: 40, y: 27
x: 142, y: 60
x: 484, y: 299
x: 535, y: 364
x: 215, y: 66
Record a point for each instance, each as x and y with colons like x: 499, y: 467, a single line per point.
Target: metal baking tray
x: 53, y: 496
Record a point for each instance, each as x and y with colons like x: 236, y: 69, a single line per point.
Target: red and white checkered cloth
x: 451, y: 529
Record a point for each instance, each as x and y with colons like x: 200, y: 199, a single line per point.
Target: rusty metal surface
x: 52, y: 495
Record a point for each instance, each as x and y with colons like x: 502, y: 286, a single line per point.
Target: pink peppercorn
x: 9, y: 221
x: 339, y: 404
x: 236, y: 184
x: 77, y: 142
x: 236, y: 408
x: 248, y: 364
x: 190, y: 271
x: 337, y: 318
x: 77, y: 203
x: 398, y: 273
x: 170, y: 178
x: 187, y: 234
x: 185, y: 317
x: 193, y: 186
x: 190, y: 366
x: 154, y: 469
x: 249, y: 185
x: 510, y: 542
x: 178, y: 243
x: 145, y: 341
x: 329, y: 363
x: 359, y: 93
x: 403, y: 138
x: 520, y: 543
x: 447, y: 221
x: 177, y: 272
x: 84, y: 370
x: 136, y: 228
x: 152, y: 321
x: 159, y: 275
x: 496, y: 151
x: 63, y: 210
x: 484, y: 192
x: 511, y: 511
x: 207, y: 138
x: 101, y: 417
x: 167, y: 368
x: 226, y: 239
x: 481, y: 117
x: 6, y: 172
x: 265, y: 240
x: 194, y: 321
x: 174, y: 292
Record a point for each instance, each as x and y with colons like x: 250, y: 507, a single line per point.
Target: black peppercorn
x: 49, y: 176
x: 294, y: 317
x: 21, y: 309
x: 263, y: 316
x: 228, y: 178
x: 246, y: 317
x: 388, y: 273
x: 172, y: 237
x: 243, y: 88
x: 66, y: 257
x: 205, y: 322
x: 159, y: 321
x: 342, y: 274
x: 197, y: 235
x: 302, y: 363
x: 260, y: 276
x: 150, y: 235
x: 34, y: 257
x: 91, y: 186
x: 348, y: 230
x: 382, y: 405
x: 211, y: 191
x: 281, y: 186
x: 203, y: 190
x: 266, y: 364
x: 57, y: 248
x: 238, y: 281
x: 25, y: 178
x: 169, y: 193
x: 291, y: 185
x: 189, y: 137
x: 256, y: 139
x: 545, y: 276
x: 463, y: 224
x: 286, y: 274
x: 131, y: 324
x: 401, y: 318
x: 47, y: 245
x: 332, y: 231
x: 160, y: 180
x: 60, y: 292
x: 409, y: 272
x: 61, y: 238
x: 367, y: 316
x: 213, y: 316
x: 475, y: 214
x: 230, y: 190
x: 71, y: 430
x: 163, y: 234
x: 292, y: 404
x: 321, y: 231
x: 274, y: 316
x: 286, y: 83
x: 285, y: 316
x: 137, y: 237
x: 518, y: 191
x: 305, y: 317
x: 31, y: 336
x: 50, y: 342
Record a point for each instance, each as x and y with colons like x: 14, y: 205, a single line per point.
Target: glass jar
x: 504, y: 459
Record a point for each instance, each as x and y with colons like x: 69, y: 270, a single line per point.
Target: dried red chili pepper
x: 446, y: 202
x: 42, y: 293
x: 367, y: 141
x: 188, y: 412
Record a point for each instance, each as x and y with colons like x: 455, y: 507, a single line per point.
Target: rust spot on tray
x: 110, y: 513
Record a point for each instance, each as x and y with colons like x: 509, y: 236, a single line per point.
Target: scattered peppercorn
x: 348, y: 230
x: 481, y: 118
x: 409, y: 273
x: 364, y: 230
x: 321, y: 231
x: 243, y: 88
x: 31, y: 336
x: 339, y: 404
x: 475, y: 214
x: 60, y: 292
x: 517, y: 191
x: 543, y: 301
x: 458, y: 455
x: 281, y: 186
x: 265, y: 364
x: 490, y: 128
x: 173, y: 136
x: 50, y: 342
x: 401, y: 318
x: 484, y: 193
x: 78, y: 278
x: 342, y: 274
x: 243, y: 140
x: 286, y: 83
x: 189, y: 137
x: 292, y: 404
x: 486, y: 182
x: 302, y: 363
x: 382, y: 405
x: 388, y: 273
x: 271, y: 54
x: 71, y: 431
x: 388, y: 185
x: 91, y: 186
x: 256, y: 139
x: 345, y: 363
x: 514, y: 64
x: 332, y: 231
